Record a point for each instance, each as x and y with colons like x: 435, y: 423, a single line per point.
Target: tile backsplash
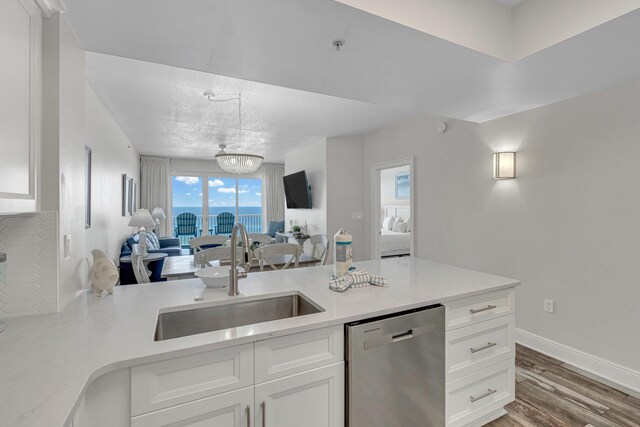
x: 31, y: 272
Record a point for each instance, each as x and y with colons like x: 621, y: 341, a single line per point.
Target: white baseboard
x: 625, y: 377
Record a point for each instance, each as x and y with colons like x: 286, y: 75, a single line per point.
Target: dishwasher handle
x: 399, y: 336
x: 402, y: 336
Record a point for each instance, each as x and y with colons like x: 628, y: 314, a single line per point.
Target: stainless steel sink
x: 175, y: 324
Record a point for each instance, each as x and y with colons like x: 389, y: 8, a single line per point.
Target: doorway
x: 392, y: 209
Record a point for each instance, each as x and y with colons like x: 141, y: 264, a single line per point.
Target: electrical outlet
x: 549, y: 306
x: 357, y: 216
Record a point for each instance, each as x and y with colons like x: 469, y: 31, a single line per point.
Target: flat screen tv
x: 297, y: 191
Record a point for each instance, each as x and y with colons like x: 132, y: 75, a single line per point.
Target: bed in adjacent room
x: 395, y: 232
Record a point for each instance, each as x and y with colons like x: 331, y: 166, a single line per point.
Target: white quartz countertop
x: 47, y: 361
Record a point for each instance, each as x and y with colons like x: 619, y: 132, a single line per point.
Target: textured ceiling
x: 287, y: 43
x: 163, y: 111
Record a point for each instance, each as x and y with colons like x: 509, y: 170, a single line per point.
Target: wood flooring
x: 550, y: 393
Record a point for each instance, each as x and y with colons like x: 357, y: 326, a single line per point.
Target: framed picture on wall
x: 403, y: 185
x: 131, y: 184
x: 125, y: 194
x: 87, y: 187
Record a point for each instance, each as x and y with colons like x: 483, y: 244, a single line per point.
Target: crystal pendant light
x: 236, y: 163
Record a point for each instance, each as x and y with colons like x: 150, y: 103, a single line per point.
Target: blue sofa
x: 167, y: 245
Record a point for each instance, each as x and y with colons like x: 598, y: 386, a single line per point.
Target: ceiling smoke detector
x: 338, y: 43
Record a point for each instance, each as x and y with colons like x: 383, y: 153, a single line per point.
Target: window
x: 208, y: 196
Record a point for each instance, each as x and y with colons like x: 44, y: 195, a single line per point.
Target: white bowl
x: 214, y: 277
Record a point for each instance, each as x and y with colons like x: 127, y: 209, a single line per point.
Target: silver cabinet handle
x: 263, y: 407
x: 482, y: 396
x: 484, y: 347
x: 480, y: 310
x: 248, y: 411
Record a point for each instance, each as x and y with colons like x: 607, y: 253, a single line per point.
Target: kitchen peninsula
x: 55, y: 368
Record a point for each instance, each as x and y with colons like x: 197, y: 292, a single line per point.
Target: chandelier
x: 236, y: 163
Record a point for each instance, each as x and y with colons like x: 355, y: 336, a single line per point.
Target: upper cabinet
x: 20, y: 104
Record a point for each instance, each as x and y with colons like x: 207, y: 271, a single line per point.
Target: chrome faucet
x: 235, y: 272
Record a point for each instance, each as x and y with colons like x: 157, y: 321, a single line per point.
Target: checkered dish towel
x: 356, y: 279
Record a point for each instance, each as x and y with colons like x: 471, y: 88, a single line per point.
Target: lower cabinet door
x: 232, y: 409
x: 311, y: 399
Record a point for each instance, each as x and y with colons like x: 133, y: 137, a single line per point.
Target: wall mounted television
x: 297, y: 191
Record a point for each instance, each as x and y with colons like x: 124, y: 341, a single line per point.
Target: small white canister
x: 344, y: 254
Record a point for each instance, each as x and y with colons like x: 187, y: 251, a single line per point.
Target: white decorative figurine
x: 104, y: 273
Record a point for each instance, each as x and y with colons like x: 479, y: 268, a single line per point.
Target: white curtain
x: 273, y: 195
x: 155, y: 185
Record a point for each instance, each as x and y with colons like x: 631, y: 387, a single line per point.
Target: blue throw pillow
x: 132, y: 241
x: 155, y: 243
x: 275, y: 227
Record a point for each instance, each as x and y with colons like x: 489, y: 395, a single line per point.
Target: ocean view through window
x: 198, y: 200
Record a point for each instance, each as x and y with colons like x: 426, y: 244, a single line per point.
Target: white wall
x: 345, y: 195
x: 562, y: 20
x: 63, y: 134
x: 388, y: 188
x: 112, y: 155
x: 312, y: 158
x: 567, y: 226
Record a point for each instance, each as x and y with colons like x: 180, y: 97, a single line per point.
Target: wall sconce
x: 504, y: 165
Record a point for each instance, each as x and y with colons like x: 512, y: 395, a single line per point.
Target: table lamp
x: 158, y: 215
x: 142, y: 218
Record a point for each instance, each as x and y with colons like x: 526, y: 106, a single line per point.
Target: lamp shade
x: 142, y: 218
x: 504, y: 165
x: 158, y: 213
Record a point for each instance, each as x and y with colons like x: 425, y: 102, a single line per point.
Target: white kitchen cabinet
x: 480, y: 357
x: 298, y: 377
x: 170, y: 382
x: 311, y: 399
x: 20, y: 104
x: 233, y: 409
x: 292, y: 354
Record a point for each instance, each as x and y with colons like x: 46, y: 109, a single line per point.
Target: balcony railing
x: 252, y: 222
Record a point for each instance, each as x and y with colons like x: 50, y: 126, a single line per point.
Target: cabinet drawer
x: 224, y: 410
x: 480, y: 393
x: 479, y: 346
x: 282, y: 356
x: 468, y: 311
x: 166, y: 383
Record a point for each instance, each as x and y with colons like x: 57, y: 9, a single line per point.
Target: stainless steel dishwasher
x: 396, y: 370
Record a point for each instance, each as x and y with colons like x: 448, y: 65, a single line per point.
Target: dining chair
x: 320, y: 247
x: 224, y: 223
x: 137, y: 264
x: 261, y: 239
x: 221, y: 253
x: 206, y: 242
x: 267, y: 254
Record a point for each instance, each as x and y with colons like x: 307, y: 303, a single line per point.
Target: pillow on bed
x: 387, y: 223
x: 406, y: 221
x: 399, y: 227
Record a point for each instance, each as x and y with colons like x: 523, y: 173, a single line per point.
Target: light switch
x: 67, y: 245
x: 357, y: 216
